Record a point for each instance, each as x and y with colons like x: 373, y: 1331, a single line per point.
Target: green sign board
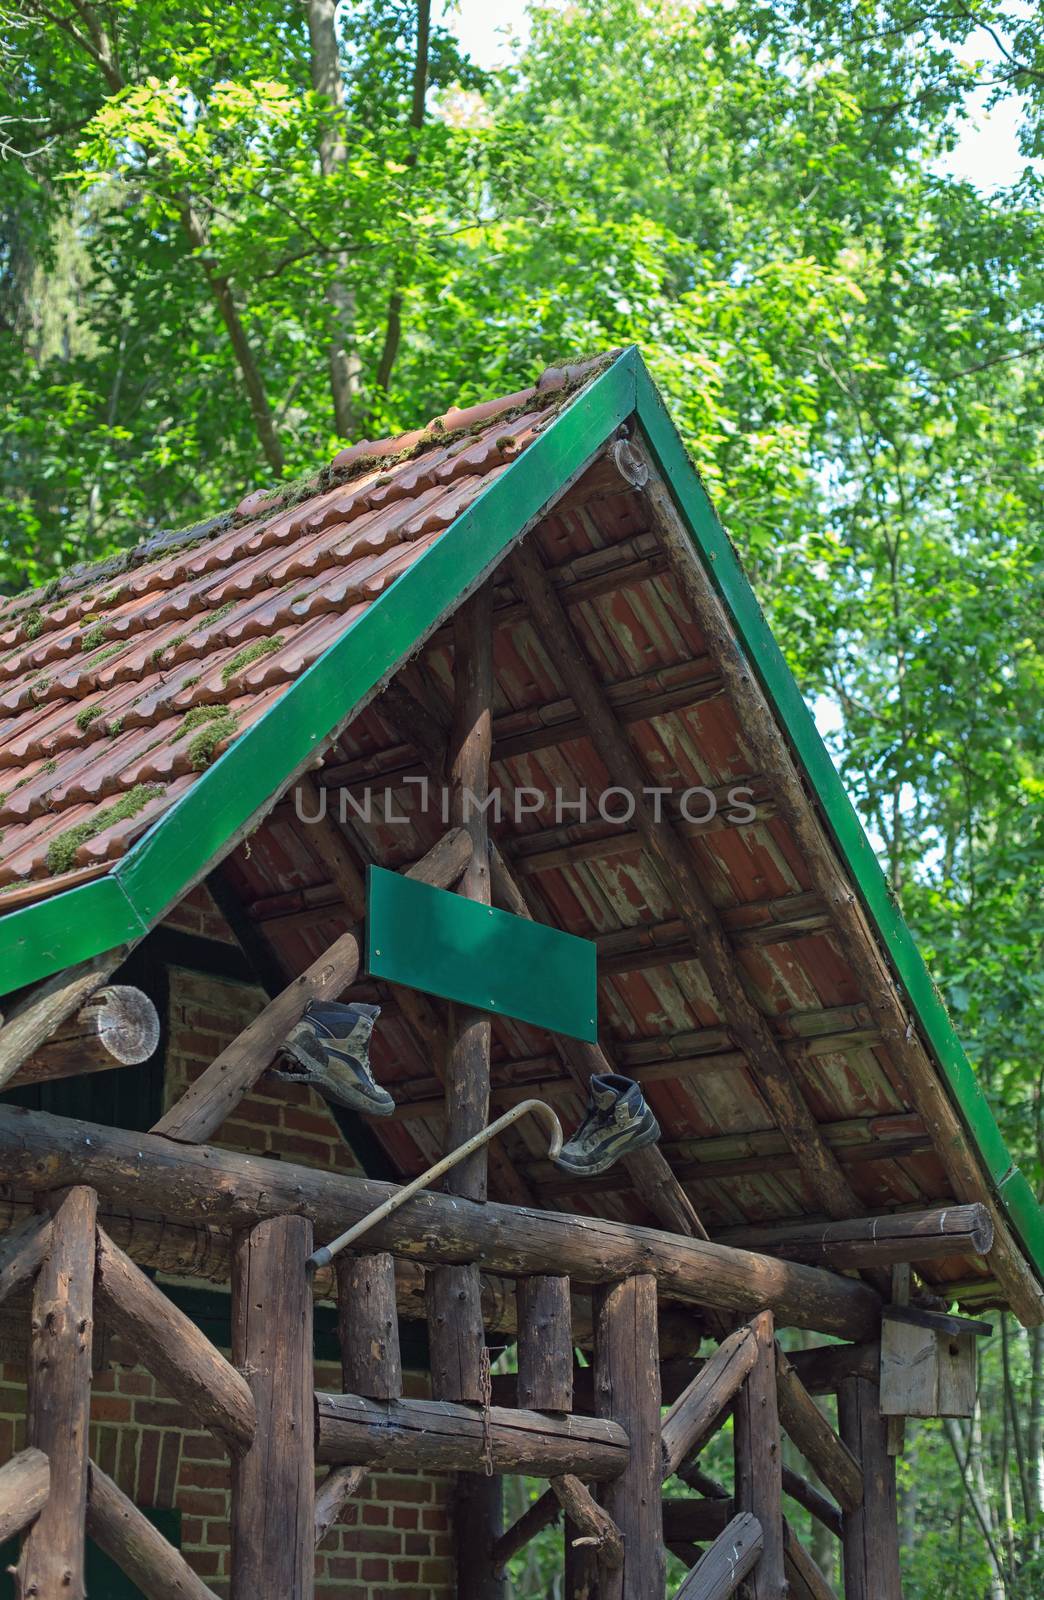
x: 430, y: 939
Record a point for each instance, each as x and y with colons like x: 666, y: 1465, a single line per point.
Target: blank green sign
x: 444, y: 944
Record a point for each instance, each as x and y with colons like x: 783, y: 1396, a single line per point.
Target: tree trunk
x: 325, y: 67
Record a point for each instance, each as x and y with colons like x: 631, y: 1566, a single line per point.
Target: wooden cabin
x: 483, y: 725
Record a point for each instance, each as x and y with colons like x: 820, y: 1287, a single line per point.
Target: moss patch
x: 88, y: 714
x: 107, y: 654
x: 33, y: 625
x: 214, y: 617
x: 214, y: 724
x: 93, y: 637
x: 246, y: 657
x: 61, y: 852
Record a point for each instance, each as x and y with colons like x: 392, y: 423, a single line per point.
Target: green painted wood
x: 854, y: 848
x: 447, y: 945
x: 194, y: 833
x: 43, y: 938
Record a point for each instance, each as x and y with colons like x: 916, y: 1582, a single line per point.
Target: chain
x: 487, y: 1423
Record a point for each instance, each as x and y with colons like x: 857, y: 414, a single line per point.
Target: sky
x: 986, y: 155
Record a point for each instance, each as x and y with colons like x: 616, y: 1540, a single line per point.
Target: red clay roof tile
x: 96, y: 681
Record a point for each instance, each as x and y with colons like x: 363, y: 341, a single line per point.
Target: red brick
x: 110, y: 1408
x: 405, y: 1517
x: 375, y: 1516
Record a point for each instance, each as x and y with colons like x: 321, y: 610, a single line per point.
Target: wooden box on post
x: 926, y: 1372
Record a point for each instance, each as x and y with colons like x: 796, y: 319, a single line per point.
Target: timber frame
x: 91, y: 1209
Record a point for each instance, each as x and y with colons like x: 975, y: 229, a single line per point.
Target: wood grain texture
x: 368, y: 1326
x: 25, y: 1482
x: 456, y: 1341
x: 22, y: 1251
x: 676, y: 867
x: 59, y: 1399
x: 701, y: 1408
x: 627, y: 1389
x: 127, y: 1536
x: 876, y: 1241
x: 545, y: 1344
x: 188, y: 1184
x: 214, y: 1095
x: 735, y: 1553
x: 34, y: 1018
x: 118, y: 1026
x: 857, y: 942
x: 759, y: 1459
x: 435, y: 1435
x: 273, y: 1483
x: 597, y: 1527
x: 870, y: 1540
x: 815, y: 1438
x: 174, y: 1350
x: 331, y: 1497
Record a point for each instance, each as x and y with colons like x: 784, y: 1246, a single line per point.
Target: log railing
x: 604, y: 1469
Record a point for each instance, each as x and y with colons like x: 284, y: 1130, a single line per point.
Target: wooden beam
x: 438, y: 1436
x: 817, y: 1505
x: 675, y: 865
x: 273, y: 1483
x: 216, y: 1092
x: 368, y: 1326
x: 22, y: 1251
x: 174, y: 1350
x: 870, y: 1538
x: 128, y: 1537
x: 59, y: 1399
x: 875, y: 1241
x: 627, y: 1390
x: 540, y: 1515
x: 331, y: 1497
x: 455, y: 1331
x: 597, y: 1528
x: 25, y: 1482
x: 545, y: 1344
x: 647, y: 1169
x: 117, y: 1026
x: 701, y: 1408
x: 806, y: 1580
x: 815, y: 1438
x: 478, y: 1518
x: 32, y: 1020
x: 857, y: 942
x: 759, y: 1459
x: 188, y: 1184
x: 735, y: 1553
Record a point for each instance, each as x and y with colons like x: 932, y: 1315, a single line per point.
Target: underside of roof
x: 259, y: 652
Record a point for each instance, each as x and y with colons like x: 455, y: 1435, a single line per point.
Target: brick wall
x: 394, y: 1539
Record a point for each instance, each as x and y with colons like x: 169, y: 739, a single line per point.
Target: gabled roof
x: 121, y: 683
x: 602, y: 542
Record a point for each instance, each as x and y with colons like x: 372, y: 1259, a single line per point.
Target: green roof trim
x: 176, y: 851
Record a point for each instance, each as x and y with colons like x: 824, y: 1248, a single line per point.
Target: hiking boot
x: 618, y: 1122
x: 330, y: 1051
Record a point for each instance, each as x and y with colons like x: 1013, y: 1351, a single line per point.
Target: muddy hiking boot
x: 330, y: 1051
x: 618, y: 1122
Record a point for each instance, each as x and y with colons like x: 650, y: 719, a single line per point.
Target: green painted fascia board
x: 721, y: 563
x: 194, y: 832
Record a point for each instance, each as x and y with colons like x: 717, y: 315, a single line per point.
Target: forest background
x: 232, y: 237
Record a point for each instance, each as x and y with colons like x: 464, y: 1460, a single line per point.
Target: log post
x: 46, y: 1007
x: 580, y: 1565
x: 737, y: 1551
x: 273, y: 1483
x: 545, y: 1345
x: 597, y: 1528
x: 22, y: 1251
x: 698, y: 1409
x: 627, y: 1389
x: 870, y: 1538
x: 59, y: 1400
x: 458, y: 1354
x: 368, y: 1326
x: 759, y: 1459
